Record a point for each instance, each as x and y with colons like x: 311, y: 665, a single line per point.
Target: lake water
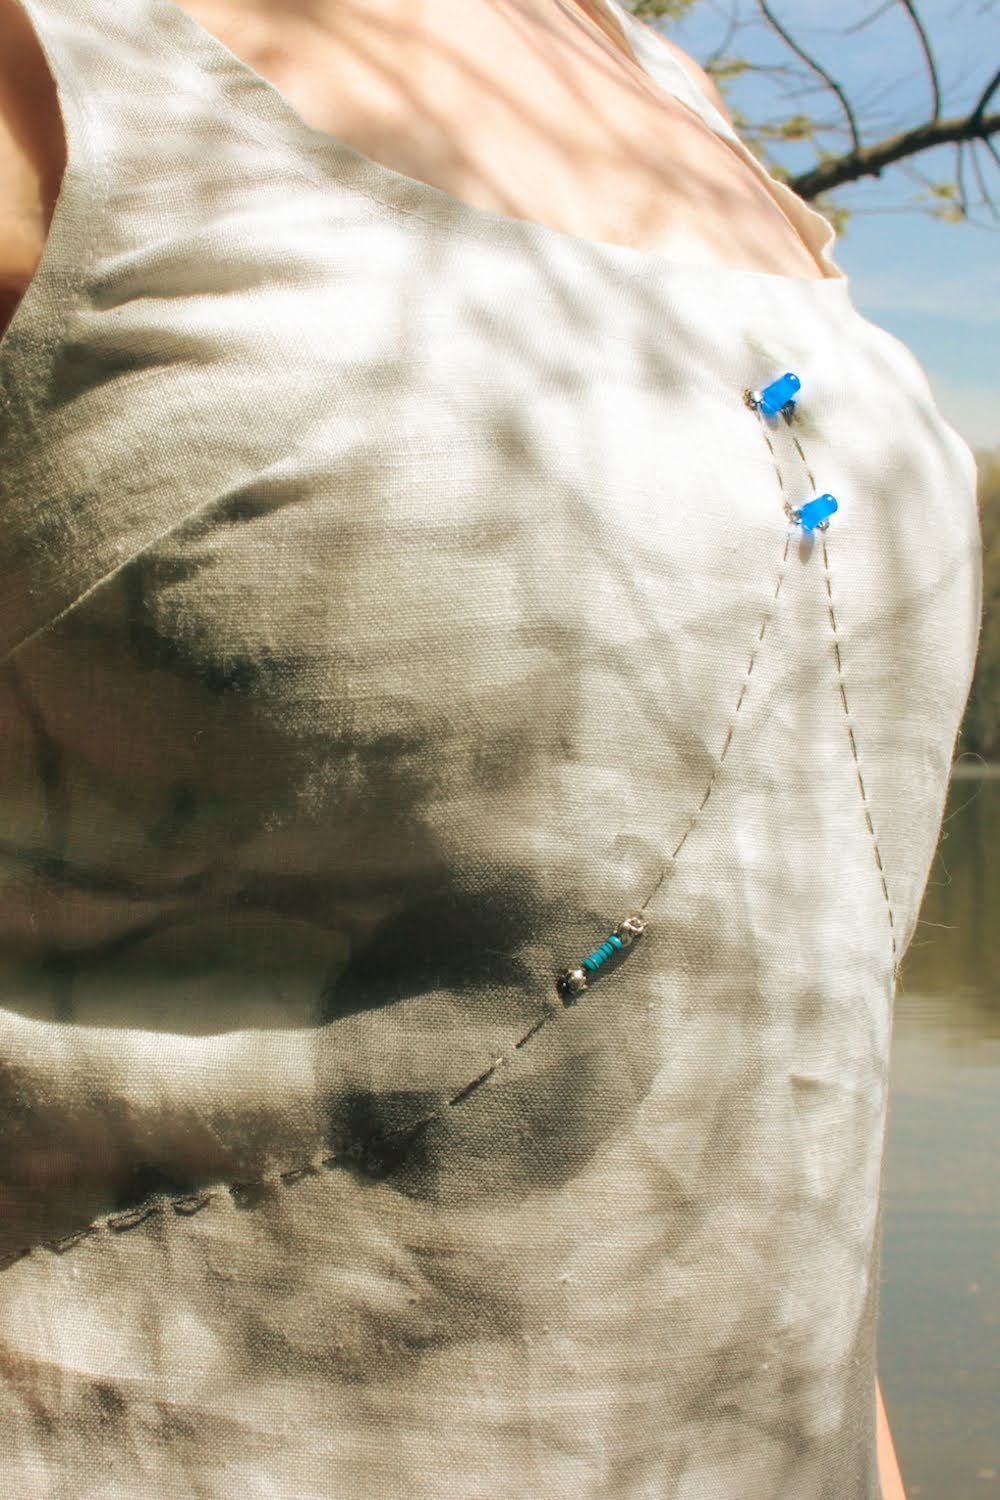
x: 939, y: 1333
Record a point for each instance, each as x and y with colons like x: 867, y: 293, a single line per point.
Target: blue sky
x: 934, y: 285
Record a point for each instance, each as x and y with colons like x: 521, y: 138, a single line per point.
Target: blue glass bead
x: 814, y: 511
x: 774, y: 397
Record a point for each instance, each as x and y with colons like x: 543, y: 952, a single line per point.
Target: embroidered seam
x: 188, y: 1204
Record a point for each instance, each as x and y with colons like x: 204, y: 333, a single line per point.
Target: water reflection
x: 940, y: 1291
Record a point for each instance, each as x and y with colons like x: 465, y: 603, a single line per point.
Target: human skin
x: 571, y: 37
x: 562, y: 128
x: 890, y: 1478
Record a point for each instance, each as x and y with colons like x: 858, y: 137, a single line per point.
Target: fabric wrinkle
x: 399, y: 594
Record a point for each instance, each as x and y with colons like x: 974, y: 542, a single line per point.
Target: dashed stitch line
x: 857, y: 761
x: 865, y: 805
x: 188, y: 1204
x: 731, y: 726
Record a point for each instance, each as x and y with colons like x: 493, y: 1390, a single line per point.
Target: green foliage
x: 953, y: 214
x: 724, y: 68
x: 791, y: 128
x: 980, y: 733
x: 835, y: 212
x: 946, y: 208
x: 654, y: 10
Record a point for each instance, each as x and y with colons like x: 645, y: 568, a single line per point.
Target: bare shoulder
x: 32, y: 149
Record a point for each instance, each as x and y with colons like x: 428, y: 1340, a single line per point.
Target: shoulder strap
x: 148, y: 159
x: 66, y: 247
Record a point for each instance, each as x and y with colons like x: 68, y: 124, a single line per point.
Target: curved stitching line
x: 730, y: 728
x: 191, y: 1203
x: 865, y: 805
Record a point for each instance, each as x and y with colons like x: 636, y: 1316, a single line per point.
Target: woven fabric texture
x: 395, y: 594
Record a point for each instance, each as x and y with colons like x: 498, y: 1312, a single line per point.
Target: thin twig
x: 818, y: 69
x: 867, y: 20
x: 986, y: 199
x: 985, y: 97
x: 963, y: 197
x: 911, y: 11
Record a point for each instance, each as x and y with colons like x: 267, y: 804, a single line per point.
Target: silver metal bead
x: 633, y: 926
x: 571, y: 982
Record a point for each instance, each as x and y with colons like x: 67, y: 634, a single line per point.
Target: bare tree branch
x: 720, y: 50
x: 911, y: 11
x: 987, y: 200
x: 867, y: 20
x: 870, y: 161
x: 822, y: 73
x: 987, y: 94
x: 858, y: 161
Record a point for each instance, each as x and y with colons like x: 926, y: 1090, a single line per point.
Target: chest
x: 531, y: 111
x: 535, y: 115
x: 470, y: 592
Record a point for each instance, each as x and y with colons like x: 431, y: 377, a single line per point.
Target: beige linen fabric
x: 393, y: 591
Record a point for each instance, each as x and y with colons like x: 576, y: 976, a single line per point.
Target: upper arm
x: 890, y: 1479
x: 32, y: 153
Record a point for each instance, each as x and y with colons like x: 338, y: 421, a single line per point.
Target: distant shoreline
x: 975, y: 770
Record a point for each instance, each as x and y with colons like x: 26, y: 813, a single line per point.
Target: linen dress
x: 396, y: 595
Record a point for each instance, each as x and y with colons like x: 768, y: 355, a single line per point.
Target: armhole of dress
x: 61, y: 271
x: 35, y: 405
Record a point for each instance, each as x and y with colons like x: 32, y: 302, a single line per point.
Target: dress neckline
x: 257, y: 104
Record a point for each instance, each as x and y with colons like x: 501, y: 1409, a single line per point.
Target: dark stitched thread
x: 131, y: 1216
x: 247, y: 1192
x: 857, y: 762
x: 865, y: 806
x: 67, y: 1241
x: 552, y: 1010
x: 191, y: 1205
x: 11, y: 1257
x: 731, y: 726
x: 470, y: 1088
x: 530, y: 1032
x: 295, y: 1174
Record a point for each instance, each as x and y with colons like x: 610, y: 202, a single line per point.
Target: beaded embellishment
x: 778, y: 400
x: 572, y: 982
x: 775, y: 400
